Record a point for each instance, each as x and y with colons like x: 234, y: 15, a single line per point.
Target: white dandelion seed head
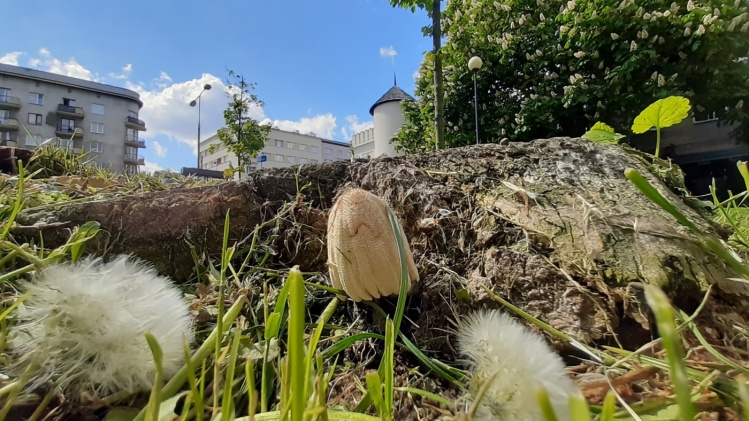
x: 84, y: 325
x: 522, y: 362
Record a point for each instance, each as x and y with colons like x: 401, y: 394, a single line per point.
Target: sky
x: 318, y: 65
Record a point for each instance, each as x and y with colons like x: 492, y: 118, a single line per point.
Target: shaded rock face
x: 552, y: 225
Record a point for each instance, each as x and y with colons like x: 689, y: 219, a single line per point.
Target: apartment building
x: 100, y: 120
x: 283, y: 149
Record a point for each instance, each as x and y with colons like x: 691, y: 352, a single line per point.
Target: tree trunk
x: 566, y: 256
x: 439, y: 92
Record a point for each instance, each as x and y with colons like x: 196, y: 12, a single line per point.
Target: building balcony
x: 134, y: 123
x: 134, y: 159
x: 8, y: 124
x: 10, y: 102
x: 135, y: 141
x: 9, y: 139
x: 70, y: 111
x: 67, y: 132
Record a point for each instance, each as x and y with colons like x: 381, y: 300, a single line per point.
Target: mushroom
x: 363, y: 253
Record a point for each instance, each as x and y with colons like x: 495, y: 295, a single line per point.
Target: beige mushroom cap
x: 362, y: 248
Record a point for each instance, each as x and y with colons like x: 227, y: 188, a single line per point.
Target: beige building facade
x: 100, y: 120
x: 283, y: 149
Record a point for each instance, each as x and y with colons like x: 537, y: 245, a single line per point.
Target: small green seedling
x: 602, y: 133
x: 663, y: 113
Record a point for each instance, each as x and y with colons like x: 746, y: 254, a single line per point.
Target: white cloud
x: 68, y: 68
x: 166, y: 108
x: 150, y: 167
x: 416, y: 75
x: 388, y: 52
x: 322, y: 125
x: 163, y: 80
x: 126, y: 70
x: 354, y: 126
x: 160, y: 150
x: 11, y: 58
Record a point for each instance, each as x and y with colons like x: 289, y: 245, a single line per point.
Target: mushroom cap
x: 362, y: 248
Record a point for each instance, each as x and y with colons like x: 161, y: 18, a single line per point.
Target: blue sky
x: 318, y: 64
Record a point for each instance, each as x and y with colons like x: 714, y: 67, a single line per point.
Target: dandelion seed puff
x: 522, y: 362
x: 84, y: 326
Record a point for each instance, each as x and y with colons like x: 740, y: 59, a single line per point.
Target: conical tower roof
x: 394, y: 94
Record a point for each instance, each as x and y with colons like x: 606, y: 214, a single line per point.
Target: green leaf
x: 661, y: 114
x: 602, y: 133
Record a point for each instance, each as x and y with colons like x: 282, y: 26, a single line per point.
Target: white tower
x: 388, y: 119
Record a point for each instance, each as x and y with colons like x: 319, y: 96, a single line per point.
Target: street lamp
x: 474, y: 64
x: 207, y: 87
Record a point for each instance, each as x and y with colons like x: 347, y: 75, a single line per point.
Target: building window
x: 279, y: 143
x: 69, y: 102
x: 99, y: 128
x: 97, y: 109
x: 315, y: 149
x: 132, y: 114
x: 328, y: 150
x: 4, y: 95
x: 4, y: 116
x: 278, y: 158
x: 339, y: 152
x: 67, y: 125
x: 315, y: 161
x: 97, y: 147
x: 33, y: 140
x: 4, y: 136
x: 302, y: 160
x: 35, y: 98
x: 292, y: 160
x: 35, y: 119
x: 302, y: 147
x: 328, y: 160
x: 290, y: 145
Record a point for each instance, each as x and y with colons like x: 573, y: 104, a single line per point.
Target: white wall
x: 363, y: 143
x: 388, y: 119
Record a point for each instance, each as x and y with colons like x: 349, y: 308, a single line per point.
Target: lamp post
x: 207, y: 87
x: 474, y: 64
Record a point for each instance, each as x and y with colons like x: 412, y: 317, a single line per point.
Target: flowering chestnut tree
x: 555, y: 67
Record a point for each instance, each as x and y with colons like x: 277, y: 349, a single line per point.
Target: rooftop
x: 34, y: 74
x: 394, y: 94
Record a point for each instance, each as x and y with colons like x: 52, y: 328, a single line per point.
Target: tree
x: 433, y: 8
x: 243, y: 135
x: 555, y: 67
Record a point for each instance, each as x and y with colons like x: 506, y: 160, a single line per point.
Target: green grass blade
x: 662, y: 310
x: 296, y: 353
x: 227, y: 401
x: 547, y: 411
x: 314, y: 340
x: 152, y: 410
x: 18, y: 205
x: 179, y: 379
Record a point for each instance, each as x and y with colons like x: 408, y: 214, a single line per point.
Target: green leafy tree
x: 433, y: 8
x: 243, y: 135
x: 555, y: 67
